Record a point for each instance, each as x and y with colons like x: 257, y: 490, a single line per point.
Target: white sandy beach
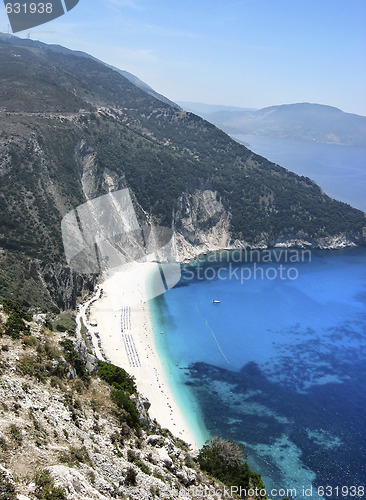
x: 126, y: 336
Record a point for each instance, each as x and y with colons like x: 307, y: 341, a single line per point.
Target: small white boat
x: 216, y: 301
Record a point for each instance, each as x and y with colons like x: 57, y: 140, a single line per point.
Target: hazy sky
x: 248, y: 53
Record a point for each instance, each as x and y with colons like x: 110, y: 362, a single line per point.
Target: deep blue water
x: 279, y: 364
x: 339, y: 170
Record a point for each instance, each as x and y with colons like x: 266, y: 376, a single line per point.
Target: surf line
x: 214, y: 336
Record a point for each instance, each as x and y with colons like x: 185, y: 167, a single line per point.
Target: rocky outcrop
x: 74, y: 432
x: 202, y: 226
x: 64, y: 285
x: 88, y: 360
x: 75, y: 484
x: 143, y: 405
x: 92, y: 180
x: 86, y: 157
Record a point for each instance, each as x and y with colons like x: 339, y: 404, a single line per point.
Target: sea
x: 278, y: 363
x: 339, y: 170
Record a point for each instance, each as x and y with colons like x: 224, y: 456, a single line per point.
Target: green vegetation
x: 226, y: 461
x: 46, y: 362
x: 65, y: 321
x: 15, y: 326
x: 123, y: 386
x: 159, y: 151
x: 16, y: 434
x: 45, y: 488
x: 158, y: 475
x: 181, y: 444
x: 131, y: 477
x: 33, y: 366
x: 117, y: 377
x: 75, y: 456
x: 134, y: 458
x: 155, y: 491
x: 20, y: 279
x: 123, y: 401
x: 7, y: 489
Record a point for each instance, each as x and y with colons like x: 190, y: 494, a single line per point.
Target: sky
x: 246, y: 53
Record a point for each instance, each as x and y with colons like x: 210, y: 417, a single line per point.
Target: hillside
x: 72, y: 129
x: 303, y: 121
x: 73, y: 428
x: 58, y: 48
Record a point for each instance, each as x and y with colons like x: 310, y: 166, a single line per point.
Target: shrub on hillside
x: 123, y: 386
x: 226, y: 461
x: 7, y: 489
x: 15, y: 325
x: 123, y: 401
x: 117, y: 377
x: 45, y: 488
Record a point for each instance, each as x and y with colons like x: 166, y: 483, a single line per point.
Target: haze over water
x: 339, y: 170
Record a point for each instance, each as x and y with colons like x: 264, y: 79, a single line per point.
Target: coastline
x: 123, y: 323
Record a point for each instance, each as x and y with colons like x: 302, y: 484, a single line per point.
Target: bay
x: 279, y: 364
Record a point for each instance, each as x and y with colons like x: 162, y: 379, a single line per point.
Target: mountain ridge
x: 72, y: 129
x: 59, y: 48
x: 303, y: 121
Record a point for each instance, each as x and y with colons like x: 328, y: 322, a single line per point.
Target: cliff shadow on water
x: 293, y: 439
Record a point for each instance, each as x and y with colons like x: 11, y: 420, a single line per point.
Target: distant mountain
x: 73, y: 129
x: 304, y: 121
x: 206, y: 109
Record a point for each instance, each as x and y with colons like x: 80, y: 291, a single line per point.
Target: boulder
x: 91, y: 364
x: 71, y: 374
x: 53, y: 367
x: 74, y: 483
x: 155, y: 439
x: 165, y: 458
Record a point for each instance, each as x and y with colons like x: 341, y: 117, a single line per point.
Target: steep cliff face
x: 201, y: 224
x: 86, y: 157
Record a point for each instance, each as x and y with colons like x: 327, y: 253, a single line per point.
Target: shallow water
x: 279, y: 364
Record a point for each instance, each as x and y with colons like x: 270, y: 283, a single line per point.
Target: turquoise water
x: 339, y: 170
x: 279, y: 364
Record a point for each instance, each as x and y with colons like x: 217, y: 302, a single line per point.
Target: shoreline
x: 125, y: 331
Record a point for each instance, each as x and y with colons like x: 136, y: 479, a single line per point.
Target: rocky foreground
x: 63, y: 437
